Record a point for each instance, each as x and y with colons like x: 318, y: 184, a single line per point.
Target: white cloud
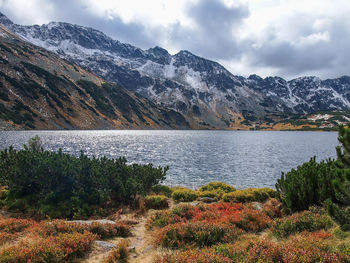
x: 315, y: 38
x: 27, y: 12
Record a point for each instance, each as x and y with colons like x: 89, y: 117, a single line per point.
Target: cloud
x: 313, y: 48
x: 108, y: 22
x: 79, y: 12
x: 26, y: 12
x: 214, y: 32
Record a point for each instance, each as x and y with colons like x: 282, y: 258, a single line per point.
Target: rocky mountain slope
x: 40, y: 90
x: 206, y: 93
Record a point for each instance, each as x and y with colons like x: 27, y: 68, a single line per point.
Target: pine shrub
x: 60, y: 185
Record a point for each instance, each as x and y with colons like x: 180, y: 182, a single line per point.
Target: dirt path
x: 145, y: 249
x: 142, y: 243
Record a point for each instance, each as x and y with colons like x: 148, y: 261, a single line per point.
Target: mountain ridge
x: 206, y: 93
x: 39, y: 90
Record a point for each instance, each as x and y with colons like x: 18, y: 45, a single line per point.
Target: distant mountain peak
x: 255, y: 77
x: 158, y: 49
x: 5, y: 20
x: 159, y: 55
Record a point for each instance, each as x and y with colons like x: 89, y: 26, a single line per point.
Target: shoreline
x: 258, y: 130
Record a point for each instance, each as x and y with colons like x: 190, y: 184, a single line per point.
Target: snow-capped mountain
x: 203, y: 90
x: 39, y: 90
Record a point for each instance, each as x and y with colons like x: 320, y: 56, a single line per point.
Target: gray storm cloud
x: 213, y: 34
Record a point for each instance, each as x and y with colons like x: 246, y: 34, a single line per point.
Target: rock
x: 4, y: 213
x: 107, y: 246
x: 257, y: 206
x: 147, y: 249
x: 207, y: 199
x: 131, y: 248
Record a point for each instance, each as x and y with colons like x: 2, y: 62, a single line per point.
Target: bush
x: 184, y: 195
x: 305, y: 247
x: 156, y: 202
x: 13, y: 225
x: 250, y: 220
x: 313, y: 247
x: 63, y: 186
x: 218, y: 186
x: 6, y: 237
x: 235, y: 215
x: 162, y: 190
x: 109, y: 230
x: 190, y: 256
x: 52, y: 241
x: 309, y: 184
x: 61, y: 248
x: 299, y: 222
x: 250, y: 195
x: 198, y: 233
x: 273, y: 208
x: 118, y: 255
x: 103, y: 230
x: 178, y: 214
x: 341, y: 214
x: 3, y: 193
x: 12, y: 228
x: 251, y: 249
x: 314, y: 183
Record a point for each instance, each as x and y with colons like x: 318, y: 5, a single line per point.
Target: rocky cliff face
x: 203, y: 91
x: 40, y: 90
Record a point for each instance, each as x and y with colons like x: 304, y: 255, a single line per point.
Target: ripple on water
x: 240, y: 158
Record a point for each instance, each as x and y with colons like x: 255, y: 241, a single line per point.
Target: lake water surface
x: 241, y: 158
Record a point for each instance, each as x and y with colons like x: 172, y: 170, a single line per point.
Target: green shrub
x: 299, y: 222
x: 341, y: 214
x: 160, y: 219
x: 199, y: 233
x: 226, y: 188
x: 184, y: 195
x: 162, y: 190
x: 309, y: 184
x: 317, y: 183
x: 250, y: 195
x: 156, y: 201
x: 3, y: 193
x: 64, y: 186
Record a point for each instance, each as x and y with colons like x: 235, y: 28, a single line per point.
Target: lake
x: 241, y: 158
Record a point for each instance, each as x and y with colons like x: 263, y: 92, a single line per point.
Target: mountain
x: 40, y: 90
x: 207, y: 94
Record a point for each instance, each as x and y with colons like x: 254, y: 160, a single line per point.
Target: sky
x: 287, y: 38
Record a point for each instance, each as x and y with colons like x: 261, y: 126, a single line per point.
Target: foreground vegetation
x: 60, y: 185
x: 306, y: 219
x: 24, y: 240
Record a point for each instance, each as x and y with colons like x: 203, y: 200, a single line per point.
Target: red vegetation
x: 51, y: 241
